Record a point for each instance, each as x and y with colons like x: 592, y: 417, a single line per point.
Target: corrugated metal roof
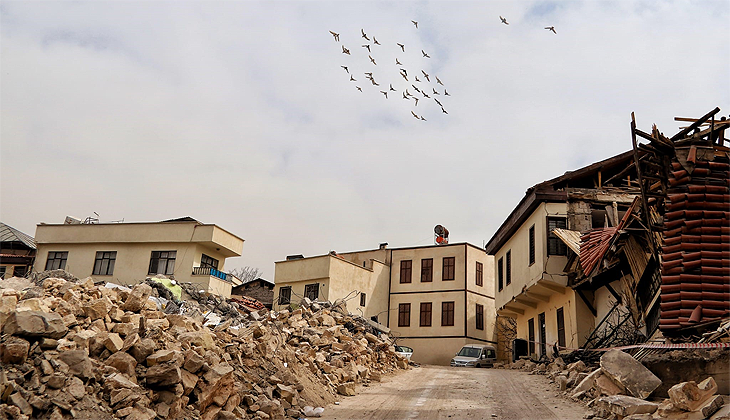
x: 10, y: 234
x: 570, y: 237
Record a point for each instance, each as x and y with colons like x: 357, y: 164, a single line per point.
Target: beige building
x: 126, y: 253
x: 532, y: 285
x: 434, y: 299
x: 17, y: 252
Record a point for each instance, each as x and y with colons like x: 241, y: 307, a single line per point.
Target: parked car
x: 404, y: 351
x: 475, y: 355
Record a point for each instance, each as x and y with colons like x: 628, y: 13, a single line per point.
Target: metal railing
x: 210, y: 271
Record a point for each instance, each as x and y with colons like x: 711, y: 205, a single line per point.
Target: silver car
x: 475, y: 355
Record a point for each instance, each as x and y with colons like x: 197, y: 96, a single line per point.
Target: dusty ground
x: 439, y: 392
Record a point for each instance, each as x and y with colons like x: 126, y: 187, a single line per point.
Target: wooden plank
x: 695, y: 124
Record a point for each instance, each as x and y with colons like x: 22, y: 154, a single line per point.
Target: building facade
x: 17, y: 252
x: 127, y: 253
x: 434, y: 299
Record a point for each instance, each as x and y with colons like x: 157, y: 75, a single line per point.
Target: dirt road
x: 438, y: 392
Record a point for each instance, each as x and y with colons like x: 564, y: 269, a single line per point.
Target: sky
x: 238, y: 113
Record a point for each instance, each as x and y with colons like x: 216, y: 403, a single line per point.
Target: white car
x: 404, y: 351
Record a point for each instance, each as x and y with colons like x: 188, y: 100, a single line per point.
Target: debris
x: 628, y: 373
x: 624, y: 405
x: 690, y: 396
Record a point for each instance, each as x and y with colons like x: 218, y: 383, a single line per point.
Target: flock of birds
x: 424, y: 90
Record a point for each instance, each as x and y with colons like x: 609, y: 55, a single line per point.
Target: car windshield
x: 404, y: 349
x: 469, y: 352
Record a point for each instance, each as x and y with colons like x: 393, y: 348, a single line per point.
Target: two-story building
x: 434, y: 298
x: 17, y: 252
x: 127, y: 253
x: 532, y: 282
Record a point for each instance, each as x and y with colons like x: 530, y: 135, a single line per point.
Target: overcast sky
x: 239, y: 114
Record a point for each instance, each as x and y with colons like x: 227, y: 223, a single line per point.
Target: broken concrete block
x: 20, y: 402
x: 163, y: 374
x: 629, y: 373
x: 123, y: 362
x: 624, y: 405
x: 113, y: 342
x: 606, y: 386
x: 14, y: 350
x: 35, y: 324
x: 348, y: 389
x: 96, y: 309
x: 712, y: 406
x: 690, y: 396
x: 137, y: 298
x: 78, y: 363
x: 587, y: 383
x: 562, y: 381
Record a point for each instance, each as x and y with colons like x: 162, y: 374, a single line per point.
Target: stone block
x: 347, y: 389
x: 14, y: 350
x: 137, y: 298
x: 690, y: 396
x: 163, y: 374
x: 78, y: 363
x: 623, y: 369
x: 624, y: 405
x: 113, y: 342
x: 123, y: 362
x: 35, y: 324
x: 96, y: 309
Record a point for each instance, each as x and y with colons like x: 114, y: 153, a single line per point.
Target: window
x: 362, y: 299
x: 104, y: 263
x: 162, y: 262
x: 532, y: 244
x: 554, y: 245
x: 543, y: 339
x: 480, y: 317
x: 405, y: 271
x: 448, y: 272
x: 500, y: 273
x: 404, y: 315
x: 427, y: 270
x: 531, y: 335
x: 285, y: 295
x: 425, y: 314
x: 311, y: 291
x: 480, y: 274
x: 206, y: 261
x: 561, y: 328
x: 447, y: 314
x: 56, y: 260
x: 509, y: 267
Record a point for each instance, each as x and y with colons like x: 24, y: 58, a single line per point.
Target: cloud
x: 239, y: 114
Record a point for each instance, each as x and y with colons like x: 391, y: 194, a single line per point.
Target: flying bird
x: 443, y: 110
x: 367, y: 46
x: 446, y: 93
x: 434, y: 91
x: 373, y: 60
x: 375, y: 41
x: 425, y: 94
x: 415, y: 23
x: 438, y: 81
x: 414, y: 87
x: 503, y: 20
x: 369, y: 74
x: 363, y: 34
x: 416, y: 100
x: 391, y: 87
x: 437, y: 101
x: 384, y: 93
x: 336, y: 36
x: 404, y: 76
x: 414, y: 114
x: 398, y: 62
x: 408, y: 93
x: 417, y: 80
x: 402, y: 47
x: 345, y: 67
x: 345, y: 50
x: 352, y: 79
x: 422, y: 119
x: 359, y: 88
x: 404, y: 71
x: 425, y: 55
x: 551, y: 28
x: 376, y: 84
x: 404, y: 96
x: 425, y: 75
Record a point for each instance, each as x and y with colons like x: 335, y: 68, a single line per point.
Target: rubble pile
x: 78, y: 350
x: 620, y: 388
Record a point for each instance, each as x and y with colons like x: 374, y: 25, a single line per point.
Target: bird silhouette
x: 369, y: 74
x: 415, y: 23
x: 434, y: 91
x: 367, y: 46
x: 398, y: 62
x: 404, y: 71
x: 408, y: 93
x: 336, y: 36
x: 352, y: 79
x: 437, y: 101
x: 417, y: 79
x: 391, y: 87
x: 551, y: 28
x: 345, y: 50
x: 416, y: 100
x: 404, y: 76
x: 414, y: 87
x: 425, y: 95
x: 376, y: 84
x: 425, y: 55
x: 443, y: 110
x: 438, y: 81
x: 404, y: 96
x: 384, y: 92
x: 425, y: 75
x: 446, y: 93
x: 402, y: 47
x: 363, y: 35
x: 422, y: 119
x: 345, y: 67
x: 503, y: 20
x: 373, y: 60
x: 414, y: 114
x: 375, y: 41
x: 359, y: 88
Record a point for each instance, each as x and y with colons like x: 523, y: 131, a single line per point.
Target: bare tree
x: 247, y: 273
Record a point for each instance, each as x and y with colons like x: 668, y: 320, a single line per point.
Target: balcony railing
x: 210, y: 271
